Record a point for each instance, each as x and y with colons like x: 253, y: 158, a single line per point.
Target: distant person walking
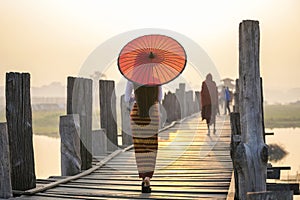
x: 227, y: 100
x: 209, y: 102
x: 145, y: 124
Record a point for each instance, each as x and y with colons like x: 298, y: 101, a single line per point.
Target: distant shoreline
x: 46, y: 122
x: 282, y: 116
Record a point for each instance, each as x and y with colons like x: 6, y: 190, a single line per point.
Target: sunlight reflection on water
x: 46, y: 156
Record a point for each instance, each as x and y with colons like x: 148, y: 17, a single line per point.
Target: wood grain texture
x: 5, y: 182
x: 69, y: 129
x: 79, y: 101
x: 108, y: 116
x: 19, y: 126
x: 190, y: 165
x: 251, y: 155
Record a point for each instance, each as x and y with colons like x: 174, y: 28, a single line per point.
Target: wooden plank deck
x: 190, y: 165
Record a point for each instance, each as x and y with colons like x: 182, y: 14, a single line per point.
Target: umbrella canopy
x: 152, y: 60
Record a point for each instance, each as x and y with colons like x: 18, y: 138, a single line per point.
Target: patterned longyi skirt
x: 145, y: 141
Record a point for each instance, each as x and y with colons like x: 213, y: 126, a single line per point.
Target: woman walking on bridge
x: 148, y: 62
x: 144, y: 126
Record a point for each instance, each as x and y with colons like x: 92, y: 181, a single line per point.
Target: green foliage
x: 276, y: 116
x: 43, y: 122
x: 46, y: 122
x: 282, y: 116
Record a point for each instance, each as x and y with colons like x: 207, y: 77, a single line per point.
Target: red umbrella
x: 152, y: 60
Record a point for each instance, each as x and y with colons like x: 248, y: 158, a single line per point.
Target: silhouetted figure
x: 209, y: 102
x: 145, y: 125
x: 227, y: 100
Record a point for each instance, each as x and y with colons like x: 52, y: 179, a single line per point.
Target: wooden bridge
x: 190, y: 165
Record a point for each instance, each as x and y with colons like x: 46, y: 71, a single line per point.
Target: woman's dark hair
x: 145, y: 97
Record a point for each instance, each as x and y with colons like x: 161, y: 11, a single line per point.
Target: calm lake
x: 47, y: 152
x: 289, y: 139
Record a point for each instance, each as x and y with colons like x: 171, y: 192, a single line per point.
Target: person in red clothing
x: 209, y: 102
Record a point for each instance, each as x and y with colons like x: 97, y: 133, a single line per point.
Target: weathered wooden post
x: 5, y: 182
x: 166, y: 102
x: 125, y: 117
x: 99, y: 143
x: 262, y: 109
x: 252, y: 154
x: 177, y: 106
x: 189, y: 102
x: 235, y: 141
x: 108, y: 116
x: 79, y: 101
x: 69, y: 129
x: 197, y: 101
x: 19, y: 126
x: 236, y: 96
x: 180, y: 95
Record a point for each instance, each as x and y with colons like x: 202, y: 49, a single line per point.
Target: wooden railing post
x: 79, y: 101
x: 180, y: 95
x: 69, y: 129
x: 197, y: 101
x: 236, y: 97
x: 19, y: 126
x: 189, y: 101
x: 125, y: 117
x: 168, y: 103
x: 99, y: 143
x: 252, y: 151
x: 262, y: 109
x: 235, y: 141
x: 108, y: 116
x: 5, y: 181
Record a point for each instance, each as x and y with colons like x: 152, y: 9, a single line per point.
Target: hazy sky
x: 52, y: 38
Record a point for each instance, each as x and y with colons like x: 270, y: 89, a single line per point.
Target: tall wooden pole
x: 108, y: 115
x: 180, y: 95
x: 5, y: 181
x: 189, y: 100
x: 19, y: 126
x: 252, y: 154
x: 262, y: 109
x: 79, y: 101
x: 236, y: 96
x: 197, y: 101
x: 125, y: 117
